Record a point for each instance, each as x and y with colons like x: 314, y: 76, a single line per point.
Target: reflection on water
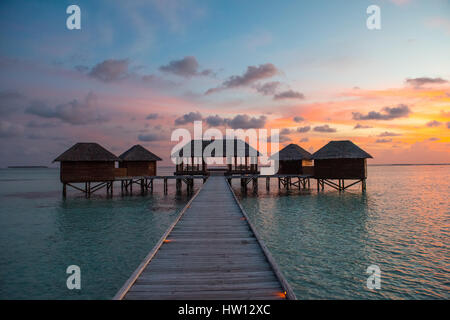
x: 325, y: 241
x: 41, y: 235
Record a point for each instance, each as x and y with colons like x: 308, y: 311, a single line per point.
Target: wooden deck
x: 211, y: 252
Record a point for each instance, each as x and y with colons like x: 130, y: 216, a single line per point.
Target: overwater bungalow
x: 241, y: 157
x: 293, y: 159
x: 340, y: 160
x: 86, y: 162
x: 138, y: 161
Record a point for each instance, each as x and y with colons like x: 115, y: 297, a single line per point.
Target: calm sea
x: 323, y: 242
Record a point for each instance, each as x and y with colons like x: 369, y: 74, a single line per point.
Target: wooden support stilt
x: 165, y: 185
x: 267, y: 183
x: 178, y: 185
x: 64, y: 190
x: 151, y: 185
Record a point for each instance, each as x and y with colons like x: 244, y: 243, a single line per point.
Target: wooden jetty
x: 211, y: 251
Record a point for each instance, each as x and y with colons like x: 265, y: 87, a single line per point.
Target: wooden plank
x: 210, y: 252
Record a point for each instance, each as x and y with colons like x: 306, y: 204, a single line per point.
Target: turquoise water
x: 325, y: 241
x: 41, y: 235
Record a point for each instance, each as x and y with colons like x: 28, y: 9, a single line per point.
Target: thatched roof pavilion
x: 86, y: 151
x: 236, y: 149
x: 139, y: 153
x: 292, y: 152
x: 293, y: 159
x: 246, y: 151
x: 138, y: 161
x: 340, y: 160
x: 86, y: 162
x: 340, y: 150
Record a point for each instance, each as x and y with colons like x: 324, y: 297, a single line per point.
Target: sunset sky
x: 137, y: 70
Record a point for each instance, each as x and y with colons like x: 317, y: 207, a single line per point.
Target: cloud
x: 361, y: 126
x: 324, y: 128
x: 153, y: 136
x: 304, y: 139
x: 290, y: 94
x: 215, y: 121
x: 433, y: 123
x: 186, y: 67
x: 110, y: 70
x: 268, y: 88
x: 383, y: 140
x: 188, y: 118
x: 253, y: 74
x: 35, y: 124
x: 389, y: 113
x: 243, y: 121
x: 303, y: 129
x: 74, y: 112
x: 388, y: 134
x: 448, y: 125
x: 418, y: 82
x: 9, y: 130
x: 439, y: 23
x: 152, y: 116
x: 10, y: 101
x: 434, y: 139
x: 240, y: 121
x: 298, y: 119
x: 285, y: 131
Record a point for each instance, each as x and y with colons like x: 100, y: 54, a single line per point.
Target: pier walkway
x: 212, y: 252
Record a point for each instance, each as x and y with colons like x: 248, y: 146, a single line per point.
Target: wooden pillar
x: 165, y: 185
x: 64, y: 190
x: 246, y: 163
x: 318, y: 189
x: 151, y: 185
x: 267, y: 183
x: 131, y: 186
x: 178, y: 185
x: 279, y: 183
x: 142, y: 185
x: 363, y: 185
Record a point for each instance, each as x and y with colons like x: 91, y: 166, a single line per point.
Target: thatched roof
x: 139, y: 153
x: 240, y: 148
x: 87, y: 151
x: 340, y: 150
x: 292, y: 152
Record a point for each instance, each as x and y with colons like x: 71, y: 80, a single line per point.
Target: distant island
x: 26, y: 167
